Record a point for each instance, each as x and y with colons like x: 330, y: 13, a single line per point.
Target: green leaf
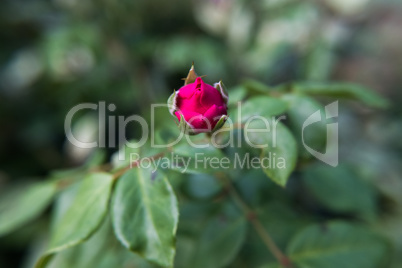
x: 278, y: 158
x: 281, y: 221
x: 320, y: 61
x: 257, y: 86
x: 202, y: 186
x: 23, y: 205
x: 131, y: 152
x: 341, y: 190
x: 87, y: 254
x: 97, y: 158
x: 237, y: 94
x: 145, y: 215
x: 338, y: 244
x: 220, y: 240
x: 259, y: 106
x: 83, y: 217
x: 187, y: 158
x: 342, y: 90
x: 102, y: 250
x: 300, y: 108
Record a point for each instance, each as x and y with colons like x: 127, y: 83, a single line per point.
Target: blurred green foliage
x: 57, y: 54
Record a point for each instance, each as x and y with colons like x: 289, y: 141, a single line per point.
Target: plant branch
x: 259, y: 228
x: 120, y: 172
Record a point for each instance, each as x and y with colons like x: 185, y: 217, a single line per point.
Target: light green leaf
x: 221, y: 240
x: 87, y: 254
x: 23, y: 205
x: 278, y: 157
x: 342, y: 90
x: 338, y: 244
x: 341, y: 190
x: 145, y: 215
x: 83, y: 217
x: 259, y: 106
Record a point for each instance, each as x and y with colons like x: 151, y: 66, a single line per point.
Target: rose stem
x: 253, y: 218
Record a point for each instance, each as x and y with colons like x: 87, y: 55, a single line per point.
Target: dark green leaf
x: 338, y: 244
x: 220, y: 240
x: 202, y: 185
x: 236, y: 95
x: 342, y: 90
x: 282, y: 222
x: 259, y: 106
x: 257, y: 86
x: 341, y: 190
x: 314, y: 135
x: 145, y: 215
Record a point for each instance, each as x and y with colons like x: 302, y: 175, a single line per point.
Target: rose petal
x: 195, y: 119
x: 210, y: 96
x: 214, y: 114
x: 192, y: 104
x: 187, y: 91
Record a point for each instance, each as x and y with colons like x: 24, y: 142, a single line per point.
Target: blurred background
x: 59, y: 53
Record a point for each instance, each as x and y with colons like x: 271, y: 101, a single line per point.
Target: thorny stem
x: 253, y: 219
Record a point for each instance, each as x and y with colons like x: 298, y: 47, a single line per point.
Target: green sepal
x: 222, y: 89
x: 172, y: 103
x: 220, y: 123
x: 191, y: 76
x: 186, y: 127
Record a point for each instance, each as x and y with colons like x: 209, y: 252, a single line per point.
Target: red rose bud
x: 198, y: 106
